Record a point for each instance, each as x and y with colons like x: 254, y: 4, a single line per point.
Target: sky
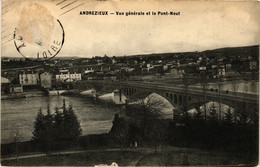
x: 201, y: 25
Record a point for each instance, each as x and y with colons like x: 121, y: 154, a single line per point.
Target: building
x: 165, y: 67
x: 127, y: 69
x: 176, y: 73
x: 28, y: 78
x: 228, y: 66
x: 4, y: 85
x: 253, y: 65
x: 16, y: 88
x: 4, y: 81
x: 114, y: 61
x: 108, y: 76
x: 221, y: 72
x: 92, y: 76
x: 46, y: 80
x: 66, y: 76
x: 88, y: 71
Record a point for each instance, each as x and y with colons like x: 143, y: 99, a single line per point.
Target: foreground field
x: 171, y: 156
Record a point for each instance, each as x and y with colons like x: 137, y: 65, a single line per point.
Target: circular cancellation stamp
x: 38, y: 34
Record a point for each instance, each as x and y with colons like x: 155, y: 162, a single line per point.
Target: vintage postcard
x: 129, y: 83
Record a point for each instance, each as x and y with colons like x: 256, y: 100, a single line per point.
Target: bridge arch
x: 180, y: 99
x: 171, y: 97
x: 220, y: 113
x: 167, y: 95
x: 168, y: 107
x: 175, y: 99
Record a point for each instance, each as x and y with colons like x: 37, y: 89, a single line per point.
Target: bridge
x: 177, y: 95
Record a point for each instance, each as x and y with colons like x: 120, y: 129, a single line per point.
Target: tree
x: 119, y: 130
x: 55, y: 131
x: 38, y: 127
x: 213, y: 112
x: 72, y: 126
x: 58, y: 128
x: 229, y: 116
x: 48, y: 131
x: 198, y: 115
x: 149, y: 111
x: 42, y: 134
x: 204, y: 85
x: 150, y: 107
x: 242, y: 114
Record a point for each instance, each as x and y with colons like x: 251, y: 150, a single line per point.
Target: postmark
x: 38, y: 34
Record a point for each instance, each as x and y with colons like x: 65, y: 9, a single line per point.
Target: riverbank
x: 22, y: 95
x: 39, y: 93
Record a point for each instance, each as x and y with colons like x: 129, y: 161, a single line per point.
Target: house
x: 105, y: 69
x: 6, y: 60
x: 66, y: 76
x: 253, y: 65
x: 88, y: 71
x: 4, y: 85
x: 109, y: 76
x: 28, y: 78
x: 92, y: 76
x: 127, y: 69
x: 228, y: 66
x: 177, y: 73
x: 16, y: 89
x: 220, y: 59
x: 114, y: 61
x: 165, y: 67
x: 4, y: 81
x: 221, y: 72
x: 214, y: 66
x: 46, y: 79
x: 202, y: 68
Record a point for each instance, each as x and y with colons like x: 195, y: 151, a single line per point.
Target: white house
x: 88, y: 71
x: 46, y: 79
x: 28, y: 78
x: 68, y: 77
x: 221, y: 72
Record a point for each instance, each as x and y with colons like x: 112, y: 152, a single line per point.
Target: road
x: 63, y: 153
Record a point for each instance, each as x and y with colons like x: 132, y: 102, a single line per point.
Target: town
x: 214, y: 65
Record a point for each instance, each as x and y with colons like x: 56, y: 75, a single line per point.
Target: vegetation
x: 119, y: 130
x: 56, y: 131
x: 236, y: 132
x: 215, y: 134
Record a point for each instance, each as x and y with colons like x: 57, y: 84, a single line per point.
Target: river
x: 241, y: 86
x: 18, y: 115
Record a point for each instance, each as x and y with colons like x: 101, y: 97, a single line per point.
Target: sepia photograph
x: 110, y: 83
